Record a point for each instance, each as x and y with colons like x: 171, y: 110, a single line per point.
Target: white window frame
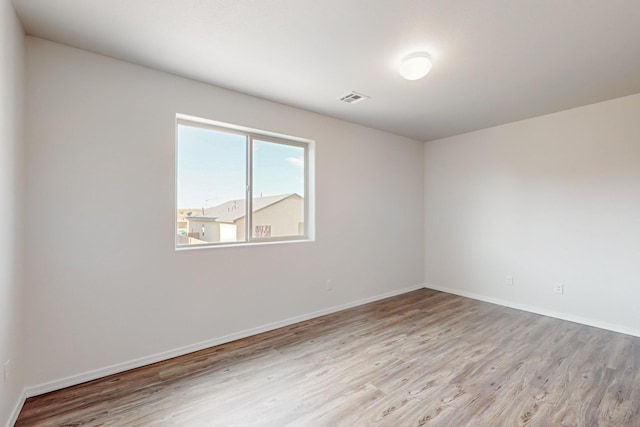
x: 252, y: 134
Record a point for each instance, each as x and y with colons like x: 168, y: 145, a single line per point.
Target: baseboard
x: 16, y: 410
x: 538, y: 310
x: 158, y: 357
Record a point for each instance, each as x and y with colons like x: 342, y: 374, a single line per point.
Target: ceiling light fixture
x: 415, y: 66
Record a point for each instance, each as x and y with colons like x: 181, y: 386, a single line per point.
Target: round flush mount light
x: 415, y: 66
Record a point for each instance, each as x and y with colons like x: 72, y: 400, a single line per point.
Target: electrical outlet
x: 6, y: 371
x: 509, y: 281
x: 558, y: 288
x: 329, y: 285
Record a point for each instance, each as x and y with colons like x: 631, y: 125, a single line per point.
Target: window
x: 236, y: 185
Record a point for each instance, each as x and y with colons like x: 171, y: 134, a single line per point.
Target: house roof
x: 233, y: 210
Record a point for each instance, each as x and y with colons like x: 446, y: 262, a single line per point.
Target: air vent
x: 353, y: 97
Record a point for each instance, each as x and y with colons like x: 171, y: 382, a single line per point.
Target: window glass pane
x: 278, y: 190
x: 211, y: 185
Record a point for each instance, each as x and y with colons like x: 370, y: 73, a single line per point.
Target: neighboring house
x: 185, y: 240
x: 273, y: 216
x: 181, y: 217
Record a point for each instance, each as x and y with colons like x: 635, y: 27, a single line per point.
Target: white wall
x: 100, y: 150
x: 11, y: 200
x: 555, y: 198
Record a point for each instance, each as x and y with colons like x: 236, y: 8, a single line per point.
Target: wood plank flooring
x: 425, y: 358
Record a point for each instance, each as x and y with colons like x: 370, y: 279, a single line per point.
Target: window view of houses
x: 213, y: 168
x: 272, y: 216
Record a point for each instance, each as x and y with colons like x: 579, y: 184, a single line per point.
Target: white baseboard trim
x: 158, y: 357
x: 538, y: 310
x: 13, y: 417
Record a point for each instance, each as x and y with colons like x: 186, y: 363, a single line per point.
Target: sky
x: 211, y: 167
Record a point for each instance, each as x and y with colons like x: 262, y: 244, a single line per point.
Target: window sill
x: 241, y: 244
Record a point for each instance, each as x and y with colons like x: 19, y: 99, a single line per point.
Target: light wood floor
x: 423, y: 358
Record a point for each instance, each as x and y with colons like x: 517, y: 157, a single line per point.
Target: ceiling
x: 495, y: 61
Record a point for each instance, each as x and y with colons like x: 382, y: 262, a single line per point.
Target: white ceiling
x: 495, y: 61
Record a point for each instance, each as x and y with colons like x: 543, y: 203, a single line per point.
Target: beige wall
x: 283, y: 217
x: 211, y: 230
x: 241, y: 228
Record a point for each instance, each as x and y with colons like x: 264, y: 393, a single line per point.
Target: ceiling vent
x: 353, y: 97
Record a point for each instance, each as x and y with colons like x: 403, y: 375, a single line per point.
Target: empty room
x: 331, y: 213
